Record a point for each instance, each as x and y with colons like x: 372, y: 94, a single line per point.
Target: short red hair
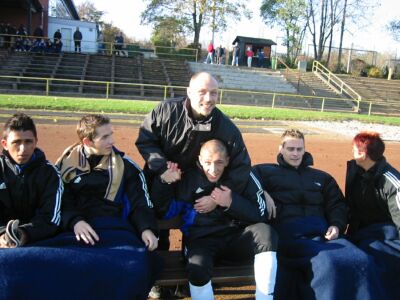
x: 370, y: 143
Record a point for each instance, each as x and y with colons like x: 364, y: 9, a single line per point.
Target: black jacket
x: 373, y: 196
x: 170, y: 133
x: 84, y: 196
x: 303, y: 191
x: 77, y: 36
x: 171, y: 200
x: 31, y: 194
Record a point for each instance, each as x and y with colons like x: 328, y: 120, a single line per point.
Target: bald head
x: 203, y: 94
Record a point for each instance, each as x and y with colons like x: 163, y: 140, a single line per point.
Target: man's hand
x: 172, y: 174
x: 205, y: 204
x: 332, y: 233
x: 4, y: 243
x: 85, y: 232
x: 271, y: 208
x: 149, y: 239
x: 222, y: 196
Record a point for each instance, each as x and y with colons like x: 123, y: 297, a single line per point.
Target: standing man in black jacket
x: 311, y: 214
x: 77, y: 40
x: 233, y: 230
x: 30, y: 186
x: 172, y: 134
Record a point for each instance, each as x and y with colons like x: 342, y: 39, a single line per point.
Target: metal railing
x: 108, y: 48
x: 297, y: 73
x: 335, y: 82
x: 268, y: 99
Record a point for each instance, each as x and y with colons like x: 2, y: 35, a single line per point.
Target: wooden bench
x: 174, y: 267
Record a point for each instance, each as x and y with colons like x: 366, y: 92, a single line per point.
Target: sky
x: 371, y: 35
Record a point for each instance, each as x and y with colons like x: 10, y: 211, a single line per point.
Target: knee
x: 199, y: 270
x: 265, y: 237
x: 198, y: 275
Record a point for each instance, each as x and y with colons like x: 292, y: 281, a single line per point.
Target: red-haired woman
x: 373, y: 195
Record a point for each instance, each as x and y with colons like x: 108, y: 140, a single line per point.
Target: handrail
x: 338, y: 84
x: 298, y: 76
x: 107, y: 47
x: 166, y: 88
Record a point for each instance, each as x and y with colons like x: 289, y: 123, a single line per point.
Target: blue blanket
x: 117, y: 267
x: 382, y: 242
x: 309, y: 267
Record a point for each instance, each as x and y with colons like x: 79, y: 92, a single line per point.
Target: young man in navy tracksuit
x: 233, y: 229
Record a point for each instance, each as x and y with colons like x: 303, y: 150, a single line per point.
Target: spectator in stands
x: 39, y: 46
x: 219, y: 52
x: 19, y: 39
x: 222, y: 59
x: 30, y: 187
x: 261, y: 58
x: 232, y: 230
x: 249, y: 54
x: 2, y: 32
x: 118, y: 44
x: 210, y: 53
x: 11, y: 35
x: 57, y: 36
x: 373, y: 194
x: 314, y: 261
x: 77, y: 40
x: 235, y: 54
x: 38, y: 33
x: 49, y: 46
x: 174, y: 131
x: 100, y: 43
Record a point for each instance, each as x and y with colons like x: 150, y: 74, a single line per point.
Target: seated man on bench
x: 30, y: 187
x: 234, y: 230
x: 314, y: 261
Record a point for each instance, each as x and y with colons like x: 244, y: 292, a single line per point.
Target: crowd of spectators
x: 18, y: 39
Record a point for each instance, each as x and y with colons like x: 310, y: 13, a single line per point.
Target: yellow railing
x: 109, y: 47
x: 297, y: 74
x: 335, y: 82
x: 275, y: 96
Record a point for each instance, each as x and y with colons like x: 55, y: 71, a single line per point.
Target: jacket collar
x: 37, y: 157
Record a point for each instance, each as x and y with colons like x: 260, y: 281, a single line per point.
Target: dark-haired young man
x: 373, y: 194
x: 30, y: 186
x: 233, y: 230
x: 314, y: 261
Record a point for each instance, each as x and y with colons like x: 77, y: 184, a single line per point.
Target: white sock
x: 265, y: 266
x: 204, y: 292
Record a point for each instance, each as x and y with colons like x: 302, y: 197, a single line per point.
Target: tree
x: 290, y: 15
x: 168, y: 31
x: 88, y: 12
x: 194, y: 14
x: 394, y: 28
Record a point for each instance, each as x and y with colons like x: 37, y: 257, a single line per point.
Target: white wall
x: 68, y: 27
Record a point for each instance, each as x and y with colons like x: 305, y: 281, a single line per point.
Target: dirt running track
x: 330, y: 154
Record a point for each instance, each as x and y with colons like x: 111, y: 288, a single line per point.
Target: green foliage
x: 194, y: 14
x: 290, y: 16
x: 394, y: 28
x: 374, y: 72
x: 168, y: 31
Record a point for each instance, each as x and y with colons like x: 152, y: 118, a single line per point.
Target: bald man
x: 171, y: 136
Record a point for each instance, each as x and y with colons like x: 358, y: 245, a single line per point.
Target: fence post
x: 47, y: 87
x: 107, y: 89
x: 358, y: 106
x: 220, y: 96
x: 165, y: 92
x: 197, y: 54
x: 273, y: 100
x: 370, y: 108
x: 323, y: 104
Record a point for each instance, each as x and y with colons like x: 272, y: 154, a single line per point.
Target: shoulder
x: 391, y: 176
x: 267, y: 168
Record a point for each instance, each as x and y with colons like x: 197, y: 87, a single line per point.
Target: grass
x: 143, y: 107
